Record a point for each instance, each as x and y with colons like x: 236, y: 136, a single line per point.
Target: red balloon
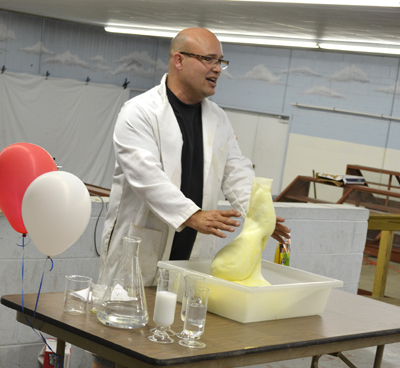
x: 20, y: 164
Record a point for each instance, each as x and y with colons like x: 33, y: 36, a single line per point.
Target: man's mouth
x: 213, y: 80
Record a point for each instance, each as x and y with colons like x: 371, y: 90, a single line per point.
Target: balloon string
x: 37, y: 300
x: 23, y: 267
x: 40, y: 286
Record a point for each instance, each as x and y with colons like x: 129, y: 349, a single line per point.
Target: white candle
x: 164, y: 308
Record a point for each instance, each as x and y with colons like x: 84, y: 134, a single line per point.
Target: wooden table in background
x: 388, y: 223
x: 348, y: 322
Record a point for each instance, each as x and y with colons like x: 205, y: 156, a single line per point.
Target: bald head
x: 191, y: 38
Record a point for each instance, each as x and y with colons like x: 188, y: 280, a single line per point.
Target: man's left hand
x: 281, y: 231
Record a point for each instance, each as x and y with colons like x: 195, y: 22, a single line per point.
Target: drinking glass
x: 165, y: 305
x: 192, y: 282
x: 76, y: 294
x: 195, y: 318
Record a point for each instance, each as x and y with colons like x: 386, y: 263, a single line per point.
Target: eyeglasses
x: 209, y: 60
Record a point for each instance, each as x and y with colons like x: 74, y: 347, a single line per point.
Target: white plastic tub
x: 293, y: 292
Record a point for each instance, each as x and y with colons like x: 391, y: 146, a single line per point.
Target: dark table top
x: 347, y: 319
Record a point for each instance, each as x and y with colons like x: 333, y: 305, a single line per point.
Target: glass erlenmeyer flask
x: 124, y: 302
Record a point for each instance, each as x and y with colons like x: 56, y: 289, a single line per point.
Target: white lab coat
x: 146, y: 200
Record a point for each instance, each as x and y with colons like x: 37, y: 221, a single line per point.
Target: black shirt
x: 189, y: 120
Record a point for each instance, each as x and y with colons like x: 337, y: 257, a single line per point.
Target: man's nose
x: 217, y: 67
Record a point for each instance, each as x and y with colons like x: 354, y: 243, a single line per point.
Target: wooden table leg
x: 377, y: 362
x: 382, y: 266
x: 345, y: 360
x: 314, y: 361
x: 378, y: 356
x: 60, y: 351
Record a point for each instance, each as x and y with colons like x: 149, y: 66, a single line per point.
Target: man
x: 175, y: 150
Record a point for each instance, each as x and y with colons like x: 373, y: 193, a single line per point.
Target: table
x: 388, y: 224
x: 348, y: 322
x: 358, y: 195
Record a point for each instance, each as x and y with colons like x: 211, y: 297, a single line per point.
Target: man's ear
x: 178, y: 60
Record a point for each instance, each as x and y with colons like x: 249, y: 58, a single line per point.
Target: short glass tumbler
x: 76, y: 294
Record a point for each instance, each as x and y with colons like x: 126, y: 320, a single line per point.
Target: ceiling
x: 316, y: 22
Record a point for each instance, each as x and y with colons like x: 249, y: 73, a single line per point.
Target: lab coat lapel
x: 170, y: 137
x: 210, y: 123
x: 170, y: 143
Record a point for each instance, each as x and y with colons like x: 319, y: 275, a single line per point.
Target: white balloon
x: 56, y: 209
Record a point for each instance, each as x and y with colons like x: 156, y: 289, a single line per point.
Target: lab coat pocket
x: 149, y: 250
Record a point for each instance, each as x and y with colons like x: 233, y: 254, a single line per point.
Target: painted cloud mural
x: 323, y: 91
x: 138, y: 58
x: 133, y: 68
x: 305, y: 70
x: 337, y: 79
x: 390, y: 90
x: 160, y: 65
x: 99, y: 63
x: 5, y: 33
x: 261, y: 73
x: 37, y: 49
x: 350, y: 73
x: 98, y: 59
x: 139, y: 63
x: 67, y: 59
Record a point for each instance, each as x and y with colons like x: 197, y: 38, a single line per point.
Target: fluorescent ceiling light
x: 232, y: 38
x: 358, y: 48
x: 260, y: 40
x: 390, y: 3
x: 358, y: 42
x: 266, y: 41
x: 142, y: 31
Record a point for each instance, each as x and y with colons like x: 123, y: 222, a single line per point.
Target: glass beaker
x: 124, y: 301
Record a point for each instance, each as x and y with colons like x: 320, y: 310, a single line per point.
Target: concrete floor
x: 361, y: 358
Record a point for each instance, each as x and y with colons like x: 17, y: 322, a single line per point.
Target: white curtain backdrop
x: 70, y: 119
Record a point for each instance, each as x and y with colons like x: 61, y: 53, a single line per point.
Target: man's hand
x: 211, y: 222
x: 281, y: 231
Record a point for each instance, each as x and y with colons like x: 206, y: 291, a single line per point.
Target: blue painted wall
x: 259, y: 79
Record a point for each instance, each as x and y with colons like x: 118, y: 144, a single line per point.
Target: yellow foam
x: 240, y: 260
